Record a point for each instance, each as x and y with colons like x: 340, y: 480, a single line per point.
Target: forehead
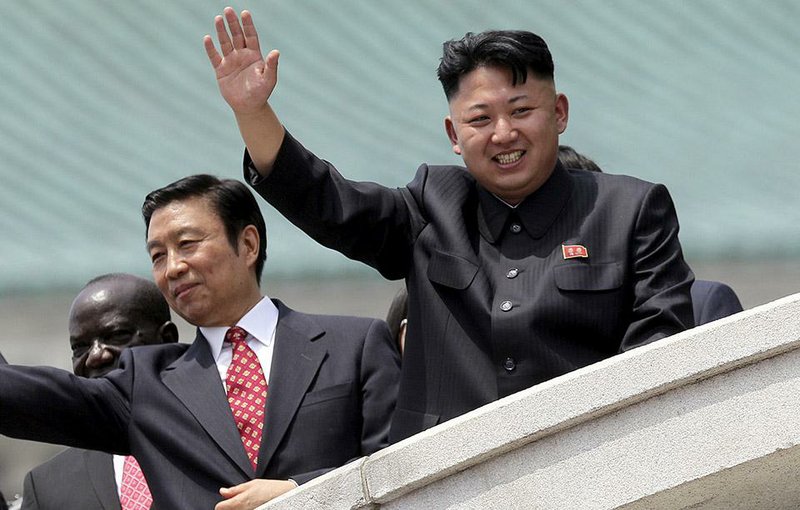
x: 193, y: 214
x: 102, y: 303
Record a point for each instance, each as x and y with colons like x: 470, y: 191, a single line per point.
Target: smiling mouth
x: 182, y: 290
x: 507, y: 158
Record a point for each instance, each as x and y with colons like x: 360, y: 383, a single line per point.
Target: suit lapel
x: 194, y: 379
x: 295, y: 361
x: 100, y: 467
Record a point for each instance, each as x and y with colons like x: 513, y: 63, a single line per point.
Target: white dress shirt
x: 260, y: 323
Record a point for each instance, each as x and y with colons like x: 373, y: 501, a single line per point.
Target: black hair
x: 517, y: 50
x: 232, y: 201
x: 570, y: 158
x: 149, y: 299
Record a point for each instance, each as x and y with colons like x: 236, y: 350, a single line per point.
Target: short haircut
x: 149, y: 300
x: 232, y: 201
x: 517, y: 50
x: 570, y: 158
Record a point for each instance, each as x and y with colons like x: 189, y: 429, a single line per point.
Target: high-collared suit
x: 713, y: 300
x: 497, y: 302
x: 74, y: 478
x: 331, y: 394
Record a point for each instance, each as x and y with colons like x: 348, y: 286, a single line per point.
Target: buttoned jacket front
x: 463, y: 348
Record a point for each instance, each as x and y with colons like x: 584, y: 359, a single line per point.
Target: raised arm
x: 246, y: 81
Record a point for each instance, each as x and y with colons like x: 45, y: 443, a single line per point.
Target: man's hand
x: 252, y: 494
x: 245, y: 79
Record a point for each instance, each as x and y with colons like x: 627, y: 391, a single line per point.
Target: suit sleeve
x: 54, y: 406
x: 662, y: 281
x: 380, y: 379
x: 363, y: 220
x: 720, y: 301
x: 29, y: 500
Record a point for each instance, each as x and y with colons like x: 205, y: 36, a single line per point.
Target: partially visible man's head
x: 207, y: 242
x: 111, y: 313
x: 397, y: 318
x: 570, y: 158
x: 505, y: 113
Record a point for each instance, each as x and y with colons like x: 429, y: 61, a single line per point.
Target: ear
x: 249, y: 242
x: 562, y: 112
x: 168, y: 333
x: 450, y: 129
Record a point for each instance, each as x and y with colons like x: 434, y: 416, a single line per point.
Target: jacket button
x: 509, y: 364
x: 506, y: 306
x: 512, y: 273
x: 515, y: 228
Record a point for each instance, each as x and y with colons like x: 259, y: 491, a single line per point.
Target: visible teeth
x: 509, y: 157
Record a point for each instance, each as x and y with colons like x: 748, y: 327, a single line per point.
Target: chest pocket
x: 451, y: 271
x: 589, y: 277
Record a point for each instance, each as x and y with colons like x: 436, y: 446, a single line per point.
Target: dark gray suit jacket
x: 2, y: 359
x: 331, y: 395
x: 713, y: 300
x: 74, y: 478
x: 632, y: 289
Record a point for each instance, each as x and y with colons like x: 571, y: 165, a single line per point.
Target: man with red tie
x: 265, y: 398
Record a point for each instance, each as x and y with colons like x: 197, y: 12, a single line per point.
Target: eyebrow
x: 183, y: 231
x: 482, y: 106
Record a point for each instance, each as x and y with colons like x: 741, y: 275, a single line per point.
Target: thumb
x: 271, y: 64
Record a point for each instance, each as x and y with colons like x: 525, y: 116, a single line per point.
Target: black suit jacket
x: 331, y: 395
x: 713, y: 300
x: 2, y: 359
x: 632, y: 289
x: 73, y: 479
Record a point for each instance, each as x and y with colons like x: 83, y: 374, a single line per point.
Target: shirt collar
x: 537, y: 211
x: 259, y: 322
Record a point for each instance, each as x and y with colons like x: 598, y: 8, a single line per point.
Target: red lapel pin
x: 574, y: 251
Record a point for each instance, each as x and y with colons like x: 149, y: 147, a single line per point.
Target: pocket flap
x: 451, y: 271
x: 329, y: 393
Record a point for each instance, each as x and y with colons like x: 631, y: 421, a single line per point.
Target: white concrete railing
x: 709, y: 418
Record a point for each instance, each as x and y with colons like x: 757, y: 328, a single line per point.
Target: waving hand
x: 245, y: 78
x: 246, y: 81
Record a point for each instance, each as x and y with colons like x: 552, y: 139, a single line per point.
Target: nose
x: 504, y: 131
x: 99, y: 355
x: 176, y: 266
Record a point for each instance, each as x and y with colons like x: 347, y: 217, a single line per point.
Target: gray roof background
x: 101, y: 102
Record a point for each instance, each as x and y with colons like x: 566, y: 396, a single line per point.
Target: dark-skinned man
x: 111, y: 313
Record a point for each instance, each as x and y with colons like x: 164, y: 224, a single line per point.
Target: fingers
x: 249, y: 29
x: 211, y: 51
x: 229, y: 492
x: 237, y: 37
x: 225, y: 44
